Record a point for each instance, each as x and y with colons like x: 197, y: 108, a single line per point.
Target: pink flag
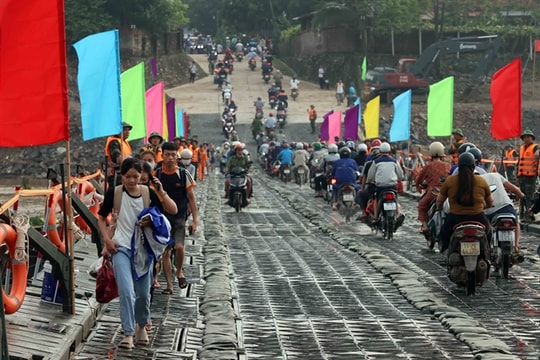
x: 334, y: 126
x: 154, y: 108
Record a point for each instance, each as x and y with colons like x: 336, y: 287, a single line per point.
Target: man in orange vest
x: 155, y: 140
x: 117, y: 148
x: 457, y: 139
x: 312, y: 116
x: 196, y: 155
x: 510, y: 157
x: 527, y: 171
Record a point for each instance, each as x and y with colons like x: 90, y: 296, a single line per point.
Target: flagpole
x: 534, y: 72
x: 69, y: 241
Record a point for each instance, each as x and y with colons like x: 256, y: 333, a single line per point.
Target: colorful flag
x: 33, y: 75
x: 133, y: 100
x: 505, y: 94
x: 364, y: 69
x: 351, y: 123
x: 440, y: 108
x: 324, y: 134
x: 400, y: 129
x: 371, y: 118
x: 180, y: 128
x: 334, y: 126
x: 171, y: 119
x: 154, y: 108
x: 153, y: 66
x: 358, y: 102
x: 165, y: 132
x: 99, y: 84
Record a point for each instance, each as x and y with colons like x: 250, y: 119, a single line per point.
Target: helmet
x: 375, y: 152
x: 299, y: 146
x: 340, y: 144
x: 350, y: 144
x: 465, y: 147
x: 186, y: 154
x: 376, y: 142
x: 436, y: 149
x: 344, y: 152
x: 476, y: 153
x: 317, y: 146
x: 271, y: 114
x: 466, y: 159
x: 332, y: 148
x: 385, y: 147
x: 362, y: 148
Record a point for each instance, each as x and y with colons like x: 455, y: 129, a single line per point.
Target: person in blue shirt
x: 345, y: 171
x: 285, y: 155
x: 352, y: 95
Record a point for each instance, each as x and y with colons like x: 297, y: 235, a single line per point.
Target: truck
x: 413, y: 73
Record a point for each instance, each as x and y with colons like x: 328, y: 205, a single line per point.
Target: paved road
x: 288, y: 279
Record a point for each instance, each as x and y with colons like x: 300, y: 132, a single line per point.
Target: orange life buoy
x: 52, y: 230
x: 85, y: 190
x: 15, y: 298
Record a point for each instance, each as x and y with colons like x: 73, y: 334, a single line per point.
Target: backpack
x: 117, y: 199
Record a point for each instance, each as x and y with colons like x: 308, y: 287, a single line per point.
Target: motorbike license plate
x: 389, y: 206
x: 348, y: 197
x: 286, y: 171
x: 470, y: 248
x: 301, y: 170
x: 505, y: 236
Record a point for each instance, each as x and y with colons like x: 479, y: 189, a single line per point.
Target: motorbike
x: 467, y: 263
x: 252, y: 64
x: 328, y: 193
x: 434, y: 217
x: 238, y: 188
x: 346, y: 204
x: 229, y: 65
x: 272, y: 101
x: 211, y: 66
x: 387, y: 217
x: 503, y: 242
x: 300, y: 176
x: 294, y: 94
x: 266, y: 78
x: 239, y: 56
x: 274, y: 169
x: 227, y: 95
x: 314, y: 172
x: 228, y: 128
x: 281, y: 118
x: 259, y: 113
x: 285, y: 173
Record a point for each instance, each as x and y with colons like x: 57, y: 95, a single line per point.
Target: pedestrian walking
x: 312, y: 116
x: 192, y: 72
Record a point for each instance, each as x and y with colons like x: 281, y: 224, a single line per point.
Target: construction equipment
x: 413, y: 73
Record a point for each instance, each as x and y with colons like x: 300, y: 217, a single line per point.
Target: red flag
x: 537, y: 45
x: 506, y: 101
x: 33, y: 73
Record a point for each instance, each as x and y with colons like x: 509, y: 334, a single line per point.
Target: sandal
x: 127, y: 343
x: 141, y: 336
x: 182, y: 282
x: 167, y: 291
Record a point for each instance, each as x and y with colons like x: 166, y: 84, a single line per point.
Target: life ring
x: 52, y: 230
x: 86, y: 192
x: 15, y: 298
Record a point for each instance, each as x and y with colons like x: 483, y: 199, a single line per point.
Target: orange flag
x: 506, y: 101
x: 33, y: 73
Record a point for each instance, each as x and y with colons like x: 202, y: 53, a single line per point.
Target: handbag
x: 106, y: 288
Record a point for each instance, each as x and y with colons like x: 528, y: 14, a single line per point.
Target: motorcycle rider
x: 294, y: 83
x: 266, y: 68
x: 431, y: 175
x: 278, y: 78
x: 285, y: 156
x: 362, y: 155
x: 273, y: 91
x: 225, y: 87
x: 270, y: 125
x: 367, y: 188
x: 301, y: 158
x: 233, y: 108
x: 259, y: 104
x: 283, y: 98
x: 468, y: 196
x: 327, y: 166
x: 345, y: 171
x: 239, y: 159
x: 385, y: 172
x: 502, y: 204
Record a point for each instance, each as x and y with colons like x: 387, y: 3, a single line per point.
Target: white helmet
x: 186, y: 154
x: 332, y: 148
x: 299, y: 146
x: 350, y: 144
x: 436, y: 149
x: 362, y: 148
x: 385, y: 147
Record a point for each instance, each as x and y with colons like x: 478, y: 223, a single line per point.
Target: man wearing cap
x: 527, y: 170
x: 155, y: 140
x: 117, y: 148
x: 457, y: 139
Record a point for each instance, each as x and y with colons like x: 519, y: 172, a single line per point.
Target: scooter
x: 238, y: 188
x: 294, y: 94
x: 266, y: 78
x: 387, y: 220
x: 285, y: 173
x: 252, y: 64
x: 346, y: 205
x: 300, y: 176
x: 503, y: 242
x: 227, y: 95
x: 281, y: 118
x: 239, y: 56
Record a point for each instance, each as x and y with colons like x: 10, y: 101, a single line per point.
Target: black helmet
x: 465, y: 147
x: 476, y: 153
x: 340, y: 144
x: 466, y: 159
x: 344, y: 152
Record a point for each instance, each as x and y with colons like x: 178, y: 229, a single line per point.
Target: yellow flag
x: 371, y: 118
x: 165, y: 133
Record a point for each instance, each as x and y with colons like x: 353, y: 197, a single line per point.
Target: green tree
x: 86, y: 17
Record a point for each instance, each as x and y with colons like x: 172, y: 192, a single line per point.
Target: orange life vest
x: 509, y: 156
x: 312, y: 114
x: 125, y: 149
x: 528, y: 165
x: 195, y: 157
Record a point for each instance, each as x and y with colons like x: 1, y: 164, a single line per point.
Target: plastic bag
x: 106, y: 288
x: 95, y: 266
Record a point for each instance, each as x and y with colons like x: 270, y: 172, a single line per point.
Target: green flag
x: 364, y: 69
x: 440, y: 108
x: 133, y: 100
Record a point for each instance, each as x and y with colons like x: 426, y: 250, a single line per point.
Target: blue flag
x: 357, y: 102
x: 401, y: 125
x: 99, y: 84
x: 180, y: 131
